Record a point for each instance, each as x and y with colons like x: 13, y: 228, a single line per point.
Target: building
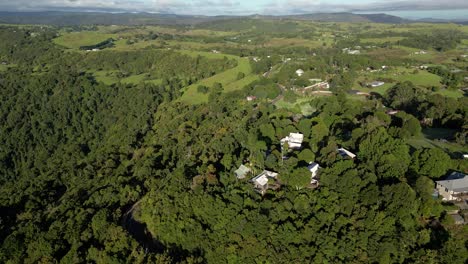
x: 313, y: 168
x: 344, y: 153
x: 454, y: 187
x: 251, y: 98
x: 392, y: 112
x: 242, y: 171
x: 323, y: 85
x: 300, y: 72
x: 315, y: 80
x: 376, y: 84
x: 294, y: 140
x: 261, y: 181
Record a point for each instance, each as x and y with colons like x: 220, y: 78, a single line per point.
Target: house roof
x: 262, y: 180
x: 456, y: 182
x: 242, y: 171
x: 300, y: 71
x: 313, y: 166
x: 265, y: 174
x: 344, y: 152
x: 294, y: 140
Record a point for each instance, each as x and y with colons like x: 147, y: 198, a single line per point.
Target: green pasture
x: 436, y: 138
x: 228, y: 79
x: 381, y: 40
x: 75, y: 40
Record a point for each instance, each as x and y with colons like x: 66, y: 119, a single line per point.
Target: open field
x: 381, y: 40
x: 280, y: 42
x: 436, y: 138
x: 228, y: 79
x: 400, y: 74
x: 75, y: 40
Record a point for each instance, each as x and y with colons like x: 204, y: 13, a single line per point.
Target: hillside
x: 82, y: 18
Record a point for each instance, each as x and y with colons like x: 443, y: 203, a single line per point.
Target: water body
x: 418, y: 14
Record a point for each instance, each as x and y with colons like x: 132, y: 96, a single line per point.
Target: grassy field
x: 302, y: 105
x: 281, y: 42
x: 228, y: 78
x: 381, y: 40
x: 3, y: 67
x: 106, y: 77
x: 435, y: 138
x: 75, y: 40
x: 400, y: 74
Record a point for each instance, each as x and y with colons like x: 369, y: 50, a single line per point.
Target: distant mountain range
x: 87, y: 18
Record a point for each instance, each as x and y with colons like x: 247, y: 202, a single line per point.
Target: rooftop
x: 456, y: 181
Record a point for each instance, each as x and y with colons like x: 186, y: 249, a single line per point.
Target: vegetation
x: 127, y: 155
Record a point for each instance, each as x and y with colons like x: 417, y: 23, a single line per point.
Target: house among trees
x: 313, y: 168
x: 251, y: 98
x: 300, y: 72
x: 344, y: 153
x: 242, y: 171
x: 454, y: 187
x: 261, y: 181
x: 294, y: 140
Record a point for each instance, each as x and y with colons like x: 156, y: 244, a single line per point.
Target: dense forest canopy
x: 106, y: 157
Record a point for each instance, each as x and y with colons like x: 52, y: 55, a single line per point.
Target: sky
x: 415, y: 8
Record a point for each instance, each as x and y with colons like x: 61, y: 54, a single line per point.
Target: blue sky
x: 244, y: 7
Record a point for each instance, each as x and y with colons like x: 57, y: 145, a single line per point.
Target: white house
x: 313, y: 168
x: 261, y: 181
x: 251, y: 98
x: 452, y: 188
x: 346, y: 153
x: 300, y: 72
x: 294, y: 140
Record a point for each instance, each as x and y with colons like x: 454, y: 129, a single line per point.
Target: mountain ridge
x: 69, y: 18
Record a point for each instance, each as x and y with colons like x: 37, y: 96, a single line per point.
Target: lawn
x: 381, y: 40
x: 401, y: 74
x: 228, y: 78
x: 436, y: 138
x: 107, y: 77
x: 302, y: 105
x: 75, y: 40
x: 451, y: 93
x: 281, y: 42
x: 134, y: 78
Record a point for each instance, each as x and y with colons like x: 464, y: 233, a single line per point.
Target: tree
x: 431, y: 162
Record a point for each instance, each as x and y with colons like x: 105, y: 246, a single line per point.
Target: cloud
x: 229, y: 7
x: 200, y: 7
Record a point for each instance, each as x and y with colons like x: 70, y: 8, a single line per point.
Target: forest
x: 104, y: 161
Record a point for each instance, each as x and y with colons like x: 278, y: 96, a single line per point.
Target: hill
x: 87, y: 18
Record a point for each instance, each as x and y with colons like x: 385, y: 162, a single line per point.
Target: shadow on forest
x: 141, y: 234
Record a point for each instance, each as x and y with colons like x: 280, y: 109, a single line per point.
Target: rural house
x: 313, y: 168
x: 454, y: 187
x: 294, y: 140
x: 300, y: 72
x: 261, y: 181
x: 242, y: 171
